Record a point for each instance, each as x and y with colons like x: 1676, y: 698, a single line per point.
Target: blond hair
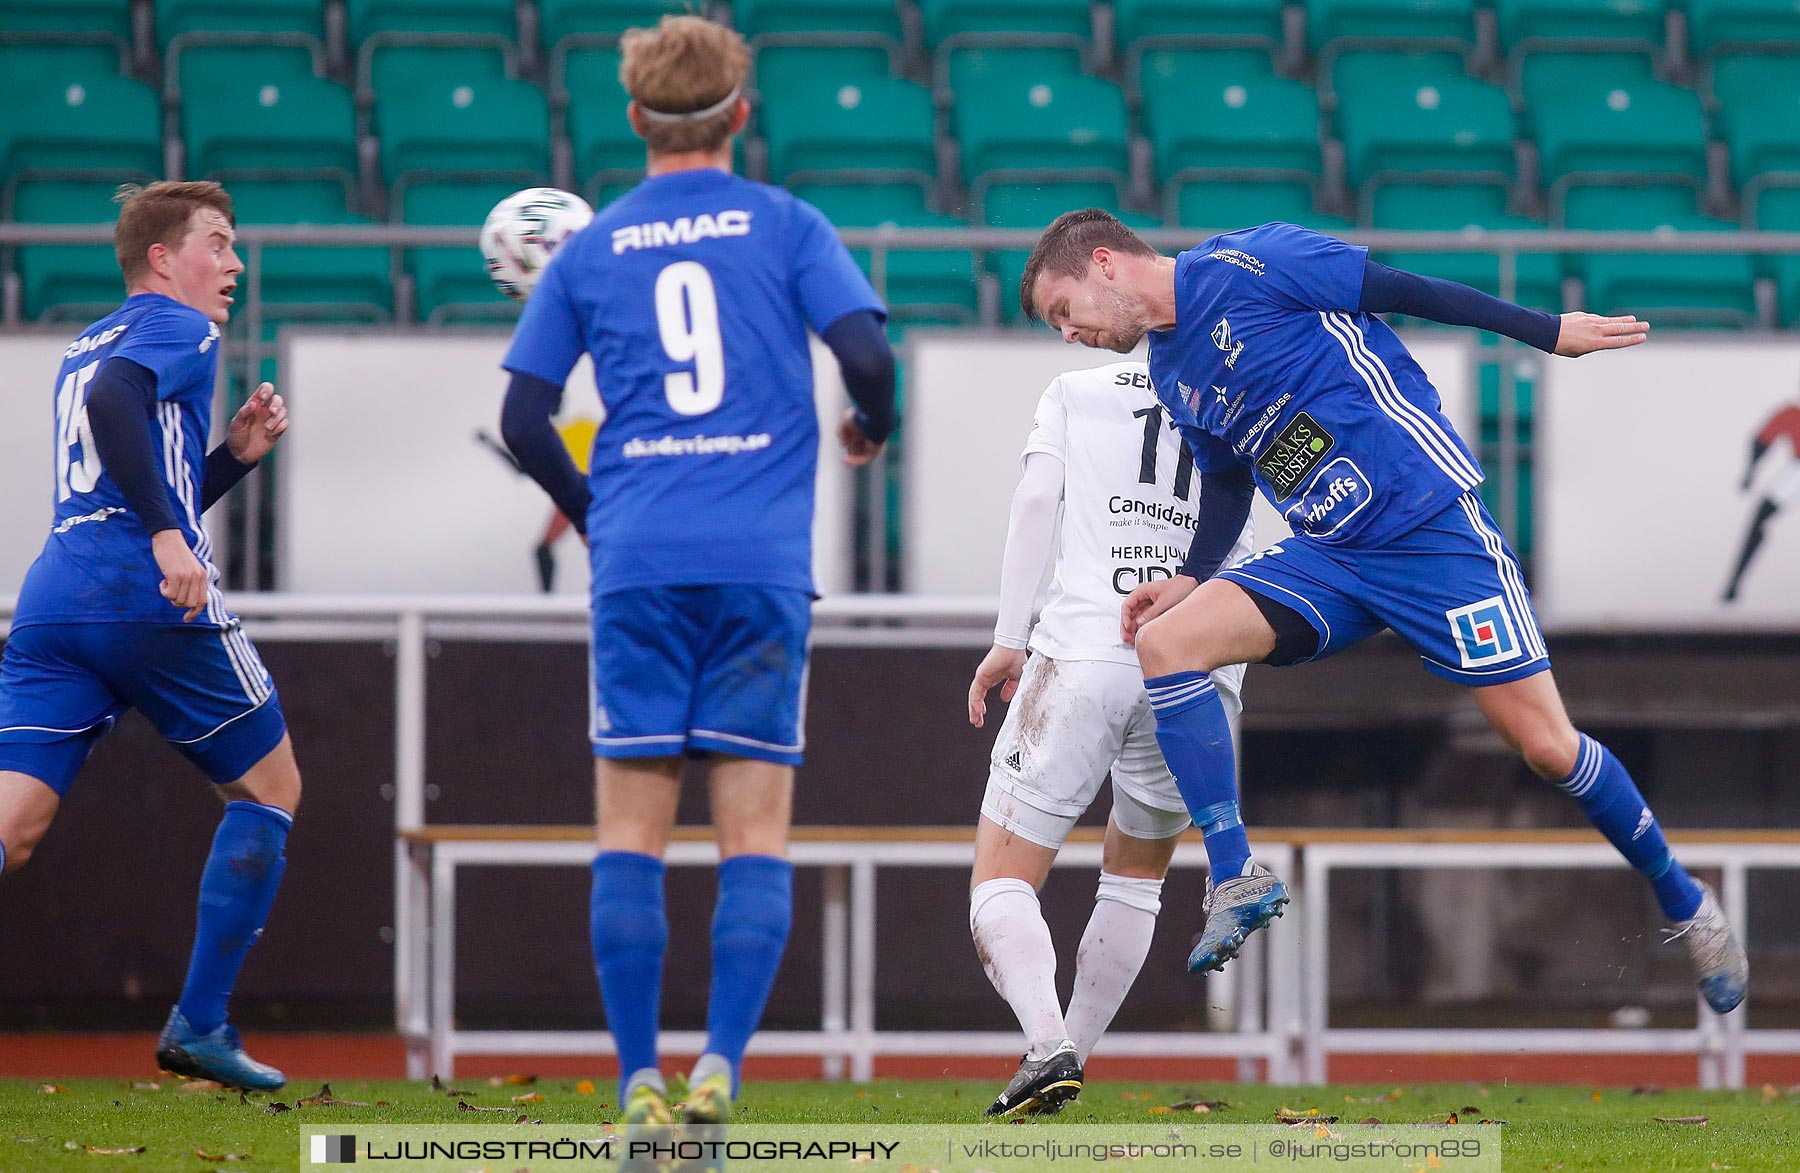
x: 160, y: 213
x: 683, y: 66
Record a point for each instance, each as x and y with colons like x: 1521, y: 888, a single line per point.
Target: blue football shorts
x: 718, y: 668
x: 63, y: 685
x: 1452, y: 588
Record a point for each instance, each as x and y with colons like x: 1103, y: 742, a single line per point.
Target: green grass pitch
x: 53, y: 1127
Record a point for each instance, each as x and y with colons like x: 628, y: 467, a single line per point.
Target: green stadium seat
x: 1022, y: 205
x: 1136, y: 22
x: 455, y: 109
x: 1692, y: 289
x: 1464, y: 208
x: 1400, y: 113
x: 366, y: 18
x: 177, y: 18
x: 1391, y: 21
x: 1713, y: 24
x: 452, y: 283
x: 593, y: 20
x: 936, y: 286
x: 1225, y: 206
x: 67, y: 18
x: 1601, y: 113
x: 600, y: 136
x: 314, y: 281
x: 834, y: 19
x: 1540, y: 21
x: 1034, y: 111
x: 250, y: 107
x: 1225, y: 110
x: 780, y: 65
x: 62, y: 281
x: 878, y: 125
x: 1759, y: 95
x: 1014, y: 21
x: 67, y: 108
x: 1778, y: 210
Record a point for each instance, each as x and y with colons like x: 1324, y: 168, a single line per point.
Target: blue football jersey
x: 96, y: 566
x: 693, y: 292
x: 1270, y: 364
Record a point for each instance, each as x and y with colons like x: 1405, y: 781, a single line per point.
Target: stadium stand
x: 1191, y: 113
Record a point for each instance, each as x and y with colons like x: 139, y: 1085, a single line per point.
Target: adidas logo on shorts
x: 1013, y: 762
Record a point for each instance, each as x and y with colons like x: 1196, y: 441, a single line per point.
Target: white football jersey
x: 1130, y: 493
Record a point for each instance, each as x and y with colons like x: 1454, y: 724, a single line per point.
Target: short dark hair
x: 1067, y: 248
x: 161, y: 213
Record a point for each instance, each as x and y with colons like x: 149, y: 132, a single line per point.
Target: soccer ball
x: 523, y: 230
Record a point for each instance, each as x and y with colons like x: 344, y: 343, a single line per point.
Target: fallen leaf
x: 1284, y: 1110
x: 465, y: 1106
x: 1770, y: 1093
x: 97, y: 1151
x: 513, y: 1080
x: 1161, y: 1110
x: 1470, y: 1110
x: 150, y: 1086
x: 324, y: 1099
x: 528, y: 1098
x: 1645, y: 1089
x: 201, y: 1085
x: 1453, y: 1119
x: 1490, y: 1122
x: 1369, y: 1120
x: 1679, y: 1119
x: 1596, y: 1097
x: 585, y: 1088
x: 206, y: 1156
x: 1554, y: 1167
x: 1197, y: 1105
x: 1312, y: 1118
x: 51, y: 1089
x: 276, y: 1109
x: 1482, y: 1091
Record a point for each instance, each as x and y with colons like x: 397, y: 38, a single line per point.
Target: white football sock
x: 1014, y: 945
x: 1112, y: 951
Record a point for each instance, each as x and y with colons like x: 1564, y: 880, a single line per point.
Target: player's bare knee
x: 1549, y: 751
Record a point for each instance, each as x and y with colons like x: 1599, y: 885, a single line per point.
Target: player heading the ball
x: 694, y: 293
x: 1266, y: 350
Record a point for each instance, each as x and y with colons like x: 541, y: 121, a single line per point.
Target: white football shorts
x: 1072, y: 722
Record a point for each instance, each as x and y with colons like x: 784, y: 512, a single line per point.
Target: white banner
x: 1647, y: 494
x: 395, y: 480
x: 28, y: 366
x: 969, y: 402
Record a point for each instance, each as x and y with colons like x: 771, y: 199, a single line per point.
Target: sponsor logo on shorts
x: 1484, y: 633
x: 1292, y: 455
x: 1013, y: 761
x: 1339, y: 492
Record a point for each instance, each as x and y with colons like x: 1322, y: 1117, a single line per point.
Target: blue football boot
x: 1234, y: 909
x: 217, y: 1056
x: 1718, y: 958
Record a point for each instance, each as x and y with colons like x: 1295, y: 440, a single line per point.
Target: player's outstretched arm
x: 1392, y: 291
x: 1030, y: 538
x: 525, y: 425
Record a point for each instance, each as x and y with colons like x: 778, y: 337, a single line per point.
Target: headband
x: 718, y: 107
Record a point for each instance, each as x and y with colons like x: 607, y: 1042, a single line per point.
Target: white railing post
x: 412, y: 913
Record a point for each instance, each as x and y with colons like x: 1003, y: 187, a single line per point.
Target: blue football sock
x: 2, y: 859
x: 236, y: 891
x: 1196, y: 742
x: 1612, y: 802
x: 630, y: 933
x: 749, y: 932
